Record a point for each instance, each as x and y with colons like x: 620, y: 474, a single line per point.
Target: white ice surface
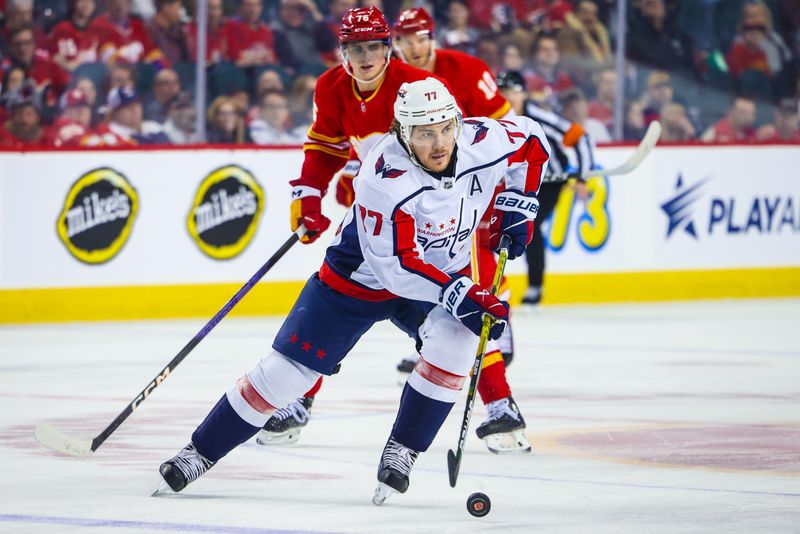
x: 657, y: 418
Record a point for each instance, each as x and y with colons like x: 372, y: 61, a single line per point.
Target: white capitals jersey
x: 408, y: 231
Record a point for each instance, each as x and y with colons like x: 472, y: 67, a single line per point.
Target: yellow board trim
x: 276, y: 298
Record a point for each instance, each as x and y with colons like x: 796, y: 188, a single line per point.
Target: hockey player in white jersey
x: 402, y: 253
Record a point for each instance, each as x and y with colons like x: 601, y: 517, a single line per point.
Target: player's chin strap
x: 349, y: 70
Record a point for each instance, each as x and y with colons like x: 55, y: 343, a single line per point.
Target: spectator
x: 166, y: 86
x: 168, y: 33
x: 511, y: 58
x: 19, y: 13
x: 785, y: 126
x: 547, y: 80
x: 122, y: 75
x: 123, y: 38
x: 180, y: 125
x: 585, y: 37
x: 271, y: 128
x: 74, y: 123
x: 736, y: 126
x: 653, y: 39
x: 301, y: 102
x: 675, y: 124
x: 602, y: 107
x: 488, y: 51
x: 658, y: 93
x: 575, y: 108
x: 634, y: 126
x: 216, y: 46
x: 125, y: 121
x: 225, y: 125
x: 70, y: 43
x: 250, y: 42
x: 36, y: 64
x: 269, y: 79
x: 336, y: 12
x: 24, y: 124
x: 13, y: 78
x: 457, y: 33
x: 86, y: 85
x: 308, y: 38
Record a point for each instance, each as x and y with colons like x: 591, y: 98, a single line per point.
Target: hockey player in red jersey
x: 387, y: 262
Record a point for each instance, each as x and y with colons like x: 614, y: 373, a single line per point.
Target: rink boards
x: 92, y: 235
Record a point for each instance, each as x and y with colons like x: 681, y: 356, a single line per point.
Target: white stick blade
x: 53, y: 438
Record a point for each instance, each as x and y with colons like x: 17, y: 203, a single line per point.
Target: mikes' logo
x: 98, y: 215
x: 225, y: 212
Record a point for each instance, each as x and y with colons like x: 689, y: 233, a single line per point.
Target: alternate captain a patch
x: 385, y: 170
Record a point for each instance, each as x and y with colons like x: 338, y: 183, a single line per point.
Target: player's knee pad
x: 447, y: 343
x: 273, y: 383
x: 435, y: 383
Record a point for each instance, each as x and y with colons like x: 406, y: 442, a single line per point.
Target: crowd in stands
x: 121, y: 72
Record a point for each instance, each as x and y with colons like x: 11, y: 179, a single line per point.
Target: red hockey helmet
x: 413, y: 21
x: 363, y: 24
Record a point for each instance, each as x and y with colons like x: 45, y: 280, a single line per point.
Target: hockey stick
x: 646, y: 145
x: 454, y: 458
x: 53, y: 438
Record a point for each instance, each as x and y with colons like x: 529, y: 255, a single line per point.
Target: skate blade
x: 271, y: 438
x: 508, y: 443
x: 162, y: 489
x: 381, y: 493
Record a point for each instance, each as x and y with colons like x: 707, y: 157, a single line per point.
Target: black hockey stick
x: 53, y: 438
x: 454, y: 458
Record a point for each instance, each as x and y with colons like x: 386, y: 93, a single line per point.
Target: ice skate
x: 405, y: 367
x: 393, y: 470
x: 284, y: 427
x: 504, y: 429
x: 530, y: 301
x: 184, y: 467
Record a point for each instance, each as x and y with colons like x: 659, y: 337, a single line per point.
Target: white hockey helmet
x: 424, y: 102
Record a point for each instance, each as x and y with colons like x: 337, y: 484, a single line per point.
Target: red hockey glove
x: 467, y: 302
x: 345, y: 194
x: 306, y: 209
x: 513, y: 216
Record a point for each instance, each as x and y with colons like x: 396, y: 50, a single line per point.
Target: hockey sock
x: 222, y: 431
x: 418, y: 419
x: 493, y: 385
x: 313, y: 391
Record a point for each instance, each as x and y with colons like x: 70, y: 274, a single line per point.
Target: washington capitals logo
x: 480, y: 130
x: 385, y: 170
x: 678, y: 208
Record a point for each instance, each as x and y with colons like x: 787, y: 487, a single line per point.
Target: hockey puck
x: 479, y: 504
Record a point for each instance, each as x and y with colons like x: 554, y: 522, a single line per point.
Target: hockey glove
x: 513, y: 216
x: 467, y: 302
x: 306, y: 209
x: 345, y: 194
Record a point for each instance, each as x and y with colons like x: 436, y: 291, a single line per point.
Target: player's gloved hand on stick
x: 467, y: 302
x: 306, y: 209
x: 513, y: 216
x: 345, y: 193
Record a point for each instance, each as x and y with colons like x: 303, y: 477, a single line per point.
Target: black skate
x: 504, y: 429
x: 393, y: 470
x: 283, y: 428
x: 184, y: 467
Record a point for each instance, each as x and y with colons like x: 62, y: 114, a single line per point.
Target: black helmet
x: 511, y: 79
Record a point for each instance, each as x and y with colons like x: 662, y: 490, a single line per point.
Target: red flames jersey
x: 128, y: 44
x: 344, y: 118
x: 69, y: 41
x: 472, y: 84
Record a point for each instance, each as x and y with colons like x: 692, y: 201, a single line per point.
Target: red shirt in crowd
x: 129, y: 44
x: 742, y: 58
x: 725, y: 133
x: 601, y: 112
x: 43, y: 71
x: 216, y: 45
x: 242, y: 37
x: 70, y: 41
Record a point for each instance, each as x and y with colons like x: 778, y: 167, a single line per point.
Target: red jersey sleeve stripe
x: 535, y: 154
x: 406, y: 251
